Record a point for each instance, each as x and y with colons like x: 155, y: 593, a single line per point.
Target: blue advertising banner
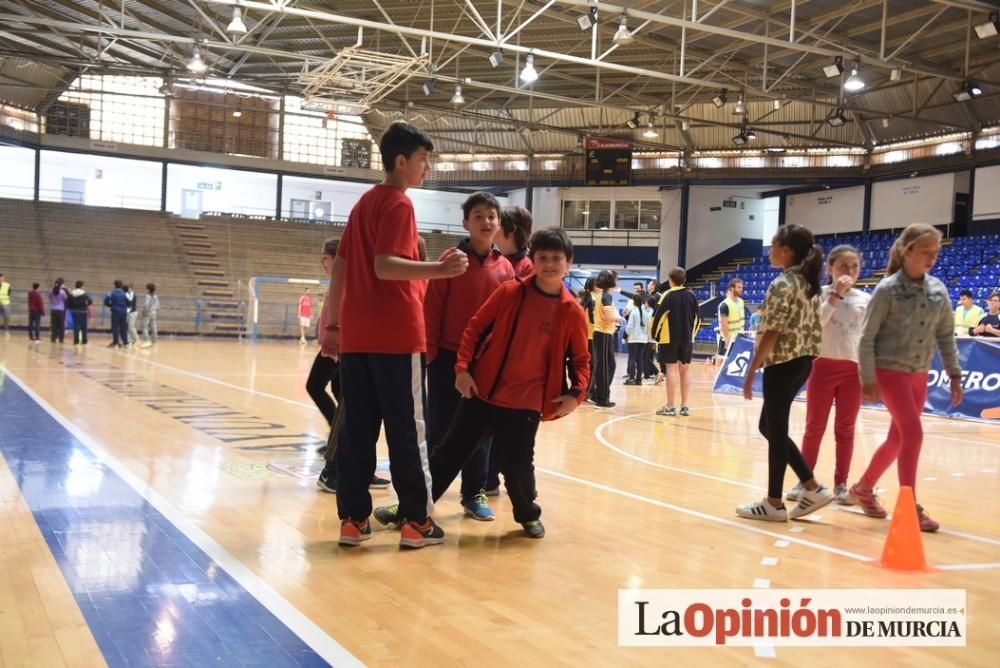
x: 979, y: 358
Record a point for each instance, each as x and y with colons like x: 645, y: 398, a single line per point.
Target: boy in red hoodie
x: 36, y: 309
x: 449, y: 305
x: 523, y: 359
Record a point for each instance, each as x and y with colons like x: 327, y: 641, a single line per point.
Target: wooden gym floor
x: 145, y: 493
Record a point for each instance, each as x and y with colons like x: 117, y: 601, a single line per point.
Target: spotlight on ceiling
x: 623, y: 35
x: 429, y: 86
x: 197, y: 64
x: 650, y: 132
x: 740, y: 108
x: 838, y: 119
x: 750, y: 134
x: 886, y: 121
x: 167, y: 89
x: 896, y: 74
x: 835, y: 68
x: 990, y: 28
x: 740, y: 139
x: 777, y: 105
x: 457, y: 98
x: 720, y: 99
x: 528, y: 73
x: 496, y: 58
x: 236, y: 26
x: 633, y: 122
x: 854, y: 82
x: 588, y: 20
x: 968, y: 91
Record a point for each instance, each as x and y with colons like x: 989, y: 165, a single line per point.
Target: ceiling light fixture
x: 740, y: 108
x: 457, y: 98
x: 777, y: 105
x: 968, y: 91
x: 528, y: 73
x: 854, y: 82
x: 633, y: 122
x: 197, y: 64
x: 896, y: 74
x: 236, y: 26
x: 623, y: 35
x: 750, y: 134
x: 720, y: 100
x: 588, y: 20
x: 237, y: 114
x: 990, y: 28
x: 650, y: 132
x: 429, y: 86
x: 496, y: 58
x: 740, y: 139
x: 835, y: 68
x: 885, y: 122
x: 838, y: 119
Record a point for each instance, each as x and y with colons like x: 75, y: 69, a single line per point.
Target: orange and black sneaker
x: 420, y: 534
x: 354, y: 533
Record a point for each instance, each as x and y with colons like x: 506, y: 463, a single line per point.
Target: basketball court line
x: 601, y: 439
x: 599, y: 435
x: 315, y: 637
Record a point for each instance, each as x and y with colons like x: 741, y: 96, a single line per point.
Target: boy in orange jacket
x: 523, y: 359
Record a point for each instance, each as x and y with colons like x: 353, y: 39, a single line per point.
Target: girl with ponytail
x: 908, y: 317
x: 789, y: 338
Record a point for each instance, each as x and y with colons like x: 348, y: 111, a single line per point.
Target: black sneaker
x: 379, y: 483
x: 327, y: 481
x: 604, y: 404
x: 389, y: 516
x: 534, y: 529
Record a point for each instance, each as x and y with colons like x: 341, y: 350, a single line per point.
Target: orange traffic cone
x: 904, y: 549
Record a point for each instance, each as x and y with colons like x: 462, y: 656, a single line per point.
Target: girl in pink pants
x: 908, y: 317
x: 834, y: 376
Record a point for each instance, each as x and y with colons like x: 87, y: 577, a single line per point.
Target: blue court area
x: 151, y: 597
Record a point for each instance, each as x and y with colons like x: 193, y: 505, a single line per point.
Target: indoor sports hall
x: 172, y: 173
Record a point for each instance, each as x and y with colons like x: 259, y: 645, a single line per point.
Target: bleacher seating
x: 971, y: 262
x: 202, y: 268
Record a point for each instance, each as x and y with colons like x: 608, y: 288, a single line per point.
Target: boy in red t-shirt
x: 523, y: 359
x: 449, y: 306
x: 305, y: 315
x: 376, y: 326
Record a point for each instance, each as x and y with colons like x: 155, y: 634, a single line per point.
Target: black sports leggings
x: 782, y: 383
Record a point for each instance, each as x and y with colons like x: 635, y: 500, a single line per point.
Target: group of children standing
x: 850, y: 346
x: 499, y: 338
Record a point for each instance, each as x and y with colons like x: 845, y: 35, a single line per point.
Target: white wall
x: 711, y: 232
x: 17, y: 172
x: 769, y: 222
x: 925, y: 199
x: 986, y: 201
x: 341, y: 195
x: 517, y: 197
x: 223, y: 190
x: 546, y: 207
x: 670, y: 230
x: 117, y: 182
x: 827, y: 211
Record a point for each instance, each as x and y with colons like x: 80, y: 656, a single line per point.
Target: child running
x: 790, y: 337
x: 834, y: 376
x: 908, y: 316
x: 523, y: 359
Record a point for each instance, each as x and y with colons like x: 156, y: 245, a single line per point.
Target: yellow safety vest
x: 736, y: 315
x: 5, y: 294
x: 968, y: 318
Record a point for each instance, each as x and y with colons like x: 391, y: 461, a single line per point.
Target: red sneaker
x: 926, y: 522
x: 416, y: 535
x: 354, y: 533
x: 868, y: 501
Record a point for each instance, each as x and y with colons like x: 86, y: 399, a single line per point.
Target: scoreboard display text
x: 609, y: 163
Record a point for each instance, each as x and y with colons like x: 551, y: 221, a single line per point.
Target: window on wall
x: 637, y: 215
x: 587, y: 215
x: 318, y: 138
x: 110, y: 108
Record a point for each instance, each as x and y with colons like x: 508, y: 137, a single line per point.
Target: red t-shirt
x: 522, y: 381
x: 380, y: 316
x: 305, y: 306
x: 523, y: 267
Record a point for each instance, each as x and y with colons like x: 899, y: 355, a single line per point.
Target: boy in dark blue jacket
x: 117, y: 301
